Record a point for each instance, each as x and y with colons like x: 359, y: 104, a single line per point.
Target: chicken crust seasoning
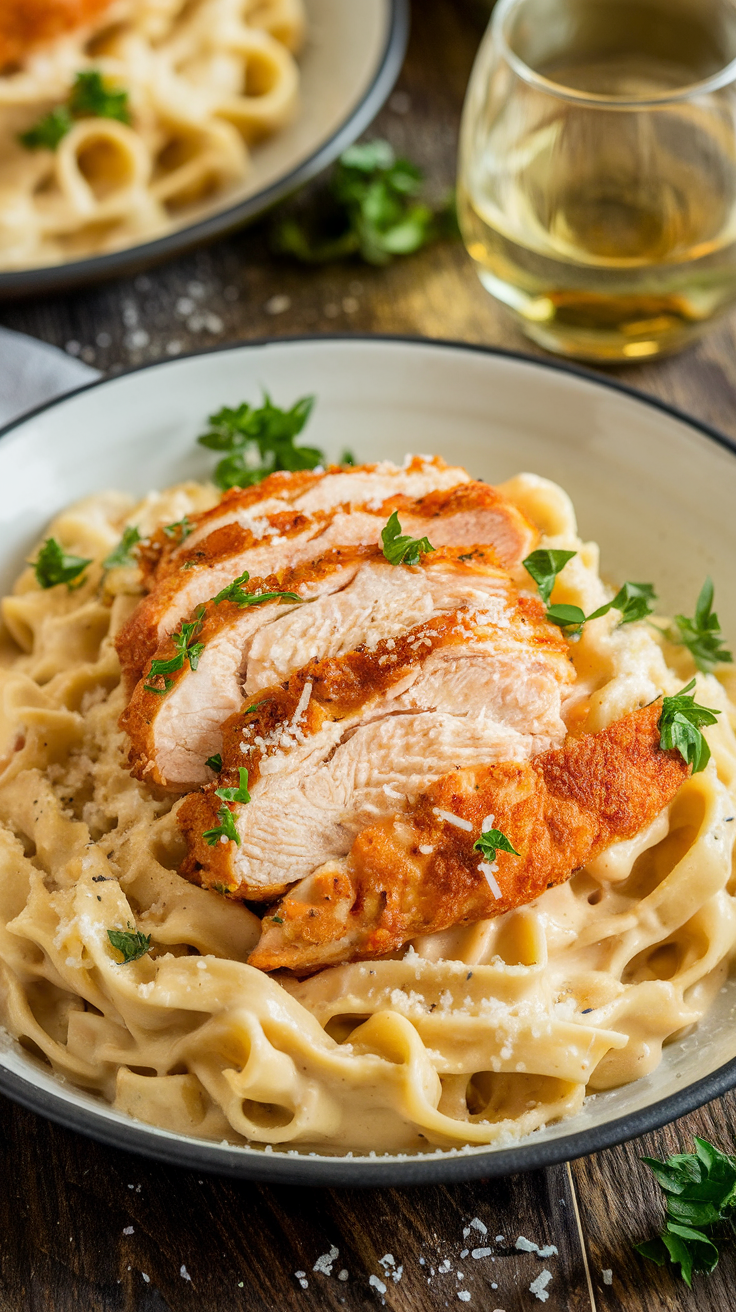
x: 363, y: 813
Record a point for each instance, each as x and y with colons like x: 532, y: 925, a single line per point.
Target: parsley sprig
x: 53, y: 565
x: 186, y: 650
x: 700, y: 1198
x: 180, y: 529
x: 371, y: 210
x: 680, y: 727
x: 234, y: 592
x: 239, y: 794
x: 214, y: 762
x: 493, y: 841
x: 225, y: 829
x: 90, y: 97
x: 258, y: 441
x: 634, y: 601
x: 400, y: 549
x: 132, y: 943
x: 123, y: 553
x: 702, y: 634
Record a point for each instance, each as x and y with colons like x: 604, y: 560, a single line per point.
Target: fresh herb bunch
x: 124, y: 552
x: 493, y: 841
x: 132, y: 943
x: 400, y: 549
x: 53, y: 565
x: 258, y: 441
x: 680, y: 727
x: 371, y: 211
x: 89, y: 97
x: 702, y: 634
x: 700, y: 1196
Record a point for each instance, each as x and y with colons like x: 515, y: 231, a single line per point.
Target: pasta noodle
x: 206, y: 79
x: 478, y: 1035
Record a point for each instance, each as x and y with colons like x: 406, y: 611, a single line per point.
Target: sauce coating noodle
x: 206, y: 80
x: 478, y: 1035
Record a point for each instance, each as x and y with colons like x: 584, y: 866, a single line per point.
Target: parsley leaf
x: 493, y: 841
x: 370, y: 210
x: 123, y: 553
x: 131, y: 943
x: 544, y: 565
x: 88, y: 98
x: 571, y: 618
x: 225, y: 829
x: 234, y: 592
x: 700, y: 1194
x: 701, y: 635
x: 91, y: 98
x: 633, y: 600
x: 259, y: 441
x: 181, y: 529
x: 48, y: 131
x: 679, y: 727
x: 186, y: 650
x: 400, y: 549
x: 214, y: 762
x: 239, y: 794
x: 53, y: 565
x: 347, y: 457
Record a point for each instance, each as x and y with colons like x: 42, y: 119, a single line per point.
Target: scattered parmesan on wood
x: 538, y: 1287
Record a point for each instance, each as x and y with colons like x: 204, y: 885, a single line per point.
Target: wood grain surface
x: 87, y: 1229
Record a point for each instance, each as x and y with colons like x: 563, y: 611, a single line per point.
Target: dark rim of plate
x: 133, y: 259
x: 277, y: 1166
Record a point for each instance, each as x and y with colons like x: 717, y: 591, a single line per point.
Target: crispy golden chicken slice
x: 25, y: 24
x: 418, y: 872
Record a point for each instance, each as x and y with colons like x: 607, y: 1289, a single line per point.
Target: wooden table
x: 85, y: 1229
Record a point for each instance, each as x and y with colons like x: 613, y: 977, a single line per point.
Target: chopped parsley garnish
x: 239, y: 794
x: 214, y: 762
x: 187, y: 650
x: 679, y: 727
x: 347, y: 457
x: 90, y: 97
x: 544, y: 565
x: 258, y: 441
x: 131, y: 943
x: 53, y: 565
x: 702, y: 634
x: 123, y: 553
x: 277, y: 920
x: 633, y: 600
x: 234, y: 592
x: 370, y: 210
x: 225, y: 829
x: 400, y: 549
x: 180, y: 529
x: 700, y: 1198
x: 48, y: 131
x: 493, y: 841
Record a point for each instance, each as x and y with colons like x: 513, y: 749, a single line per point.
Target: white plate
x: 655, y: 489
x: 351, y: 59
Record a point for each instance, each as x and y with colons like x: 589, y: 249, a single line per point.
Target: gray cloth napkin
x: 32, y: 372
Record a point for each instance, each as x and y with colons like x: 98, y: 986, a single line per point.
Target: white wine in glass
x: 597, y: 188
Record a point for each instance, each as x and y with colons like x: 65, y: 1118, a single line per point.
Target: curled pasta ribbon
x: 270, y: 84
x: 102, y: 168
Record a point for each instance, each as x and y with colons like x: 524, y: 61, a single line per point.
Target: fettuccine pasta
x: 478, y: 1035
x: 205, y: 81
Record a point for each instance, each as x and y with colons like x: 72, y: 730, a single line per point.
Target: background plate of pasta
x: 366, y: 815
x: 132, y: 129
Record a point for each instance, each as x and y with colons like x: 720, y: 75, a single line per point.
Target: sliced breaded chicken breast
x: 470, y: 515
x: 417, y: 871
x: 349, y: 737
x: 355, y: 597
x: 306, y: 492
x: 25, y: 24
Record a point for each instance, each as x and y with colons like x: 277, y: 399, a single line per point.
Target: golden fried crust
x: 28, y: 23
x: 559, y: 811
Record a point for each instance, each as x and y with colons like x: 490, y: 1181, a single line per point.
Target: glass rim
x: 716, y: 82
